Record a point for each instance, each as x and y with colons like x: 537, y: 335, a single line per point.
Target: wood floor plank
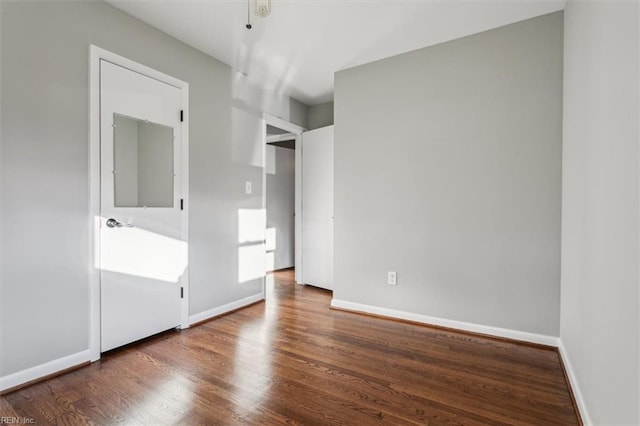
x: 293, y: 360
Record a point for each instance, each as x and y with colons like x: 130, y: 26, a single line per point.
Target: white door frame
x: 97, y: 54
x: 296, y: 130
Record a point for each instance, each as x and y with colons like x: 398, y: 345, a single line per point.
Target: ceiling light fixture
x: 261, y: 8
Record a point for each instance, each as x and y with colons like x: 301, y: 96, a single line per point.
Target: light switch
x: 248, y: 187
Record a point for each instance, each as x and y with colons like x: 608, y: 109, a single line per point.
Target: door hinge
x: 181, y: 203
x: 181, y: 292
x: 181, y: 115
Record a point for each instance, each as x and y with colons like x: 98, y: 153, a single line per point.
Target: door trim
x: 96, y: 54
x: 296, y: 130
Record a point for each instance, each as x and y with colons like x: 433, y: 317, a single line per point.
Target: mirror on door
x: 143, y: 163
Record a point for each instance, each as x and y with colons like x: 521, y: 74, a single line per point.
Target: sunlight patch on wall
x: 251, y: 262
x: 251, y: 237
x: 270, y: 249
x: 251, y: 225
x: 270, y: 260
x: 271, y: 239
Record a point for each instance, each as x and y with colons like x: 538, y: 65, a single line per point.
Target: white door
x: 317, y: 207
x: 142, y: 255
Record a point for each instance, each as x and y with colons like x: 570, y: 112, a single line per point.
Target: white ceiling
x: 298, y: 47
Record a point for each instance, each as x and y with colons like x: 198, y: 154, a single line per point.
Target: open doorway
x: 280, y: 198
x: 281, y: 176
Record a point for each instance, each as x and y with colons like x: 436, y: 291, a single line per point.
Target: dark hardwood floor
x: 293, y: 360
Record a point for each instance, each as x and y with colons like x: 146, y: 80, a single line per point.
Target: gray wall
x: 320, y: 115
x: 449, y: 174
x: 45, y: 176
x: 281, y: 207
x: 297, y: 113
x: 600, y: 327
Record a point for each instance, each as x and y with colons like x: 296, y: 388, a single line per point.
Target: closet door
x: 317, y: 207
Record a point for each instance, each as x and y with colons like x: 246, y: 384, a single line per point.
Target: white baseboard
x: 43, y: 370
x: 203, y: 316
x: 442, y: 322
x: 575, y: 388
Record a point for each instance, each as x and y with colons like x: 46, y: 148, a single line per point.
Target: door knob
x: 112, y: 223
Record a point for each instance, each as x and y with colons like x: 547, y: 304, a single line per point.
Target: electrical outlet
x: 392, y: 278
